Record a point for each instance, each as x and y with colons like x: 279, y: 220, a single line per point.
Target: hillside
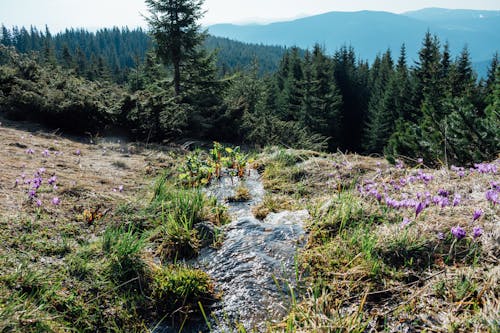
x: 371, y: 32
x: 389, y: 247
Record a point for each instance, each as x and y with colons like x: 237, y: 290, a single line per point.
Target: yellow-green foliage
x: 176, y: 286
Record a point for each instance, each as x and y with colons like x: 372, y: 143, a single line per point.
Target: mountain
x: 372, y: 32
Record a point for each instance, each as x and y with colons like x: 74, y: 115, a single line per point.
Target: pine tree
x: 6, y: 36
x: 80, y: 62
x: 67, y: 59
x: 381, y: 117
x: 177, y: 34
x: 463, y: 78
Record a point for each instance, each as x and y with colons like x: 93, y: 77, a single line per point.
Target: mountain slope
x: 372, y: 32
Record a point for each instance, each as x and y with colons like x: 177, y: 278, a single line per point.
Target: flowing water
x: 254, y: 269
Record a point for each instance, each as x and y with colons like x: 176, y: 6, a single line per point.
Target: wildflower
x: 78, y: 152
x: 56, y: 201
x: 443, y: 193
x: 420, y: 161
x: 120, y: 189
x: 36, y: 183
x: 492, y: 196
x: 445, y: 202
x: 419, y: 208
x: 30, y: 151
x: 45, y: 153
x: 32, y: 194
x: 405, y: 222
x: 52, y: 180
x: 399, y: 164
x: 41, y: 171
x: 39, y: 203
x: 477, y: 232
x: 458, y: 232
x: 457, y: 198
x: 477, y: 214
x: 440, y: 236
x: 486, y: 168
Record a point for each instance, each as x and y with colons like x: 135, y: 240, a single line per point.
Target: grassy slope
x: 64, y: 267
x: 361, y: 268
x: 365, y: 269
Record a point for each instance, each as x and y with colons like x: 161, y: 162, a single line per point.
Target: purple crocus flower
x: 445, y: 202
x: 420, y: 161
x: 56, y: 201
x: 477, y: 232
x: 443, y: 193
x: 45, y: 153
x: 419, y: 208
x: 477, y: 214
x: 492, y: 196
x: 120, y: 189
x: 52, y: 180
x: 406, y: 221
x: 457, y: 198
x: 32, y: 194
x: 440, y: 236
x: 39, y: 203
x: 30, y: 151
x: 78, y: 152
x: 458, y: 232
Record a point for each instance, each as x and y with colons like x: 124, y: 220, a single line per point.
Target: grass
x: 364, y: 270
x: 87, y: 263
x: 242, y: 194
x: 361, y: 269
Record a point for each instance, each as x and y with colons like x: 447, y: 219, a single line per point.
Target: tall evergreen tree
x: 381, y: 116
x: 177, y: 34
x: 6, y: 36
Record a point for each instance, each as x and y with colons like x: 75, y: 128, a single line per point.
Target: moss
x: 175, y: 287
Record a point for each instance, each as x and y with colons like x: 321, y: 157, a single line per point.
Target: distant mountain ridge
x: 372, y: 32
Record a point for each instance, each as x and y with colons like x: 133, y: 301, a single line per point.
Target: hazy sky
x: 59, y: 14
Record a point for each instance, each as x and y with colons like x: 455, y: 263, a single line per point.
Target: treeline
x: 111, y: 54
x: 435, y: 109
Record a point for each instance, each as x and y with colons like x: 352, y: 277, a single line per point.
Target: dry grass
x: 56, y: 273
x: 365, y: 271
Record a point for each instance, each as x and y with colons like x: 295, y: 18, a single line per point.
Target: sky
x: 92, y: 14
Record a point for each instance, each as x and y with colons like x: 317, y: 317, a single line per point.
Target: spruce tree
x: 174, y: 26
x: 381, y: 117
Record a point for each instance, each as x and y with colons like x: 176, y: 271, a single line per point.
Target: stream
x: 254, y: 269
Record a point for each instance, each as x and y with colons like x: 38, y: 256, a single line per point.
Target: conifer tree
x: 6, y: 36
x: 381, y: 117
x: 177, y: 34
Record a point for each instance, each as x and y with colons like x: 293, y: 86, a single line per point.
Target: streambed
x: 254, y: 269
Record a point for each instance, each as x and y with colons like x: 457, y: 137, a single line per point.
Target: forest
x: 113, y: 80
